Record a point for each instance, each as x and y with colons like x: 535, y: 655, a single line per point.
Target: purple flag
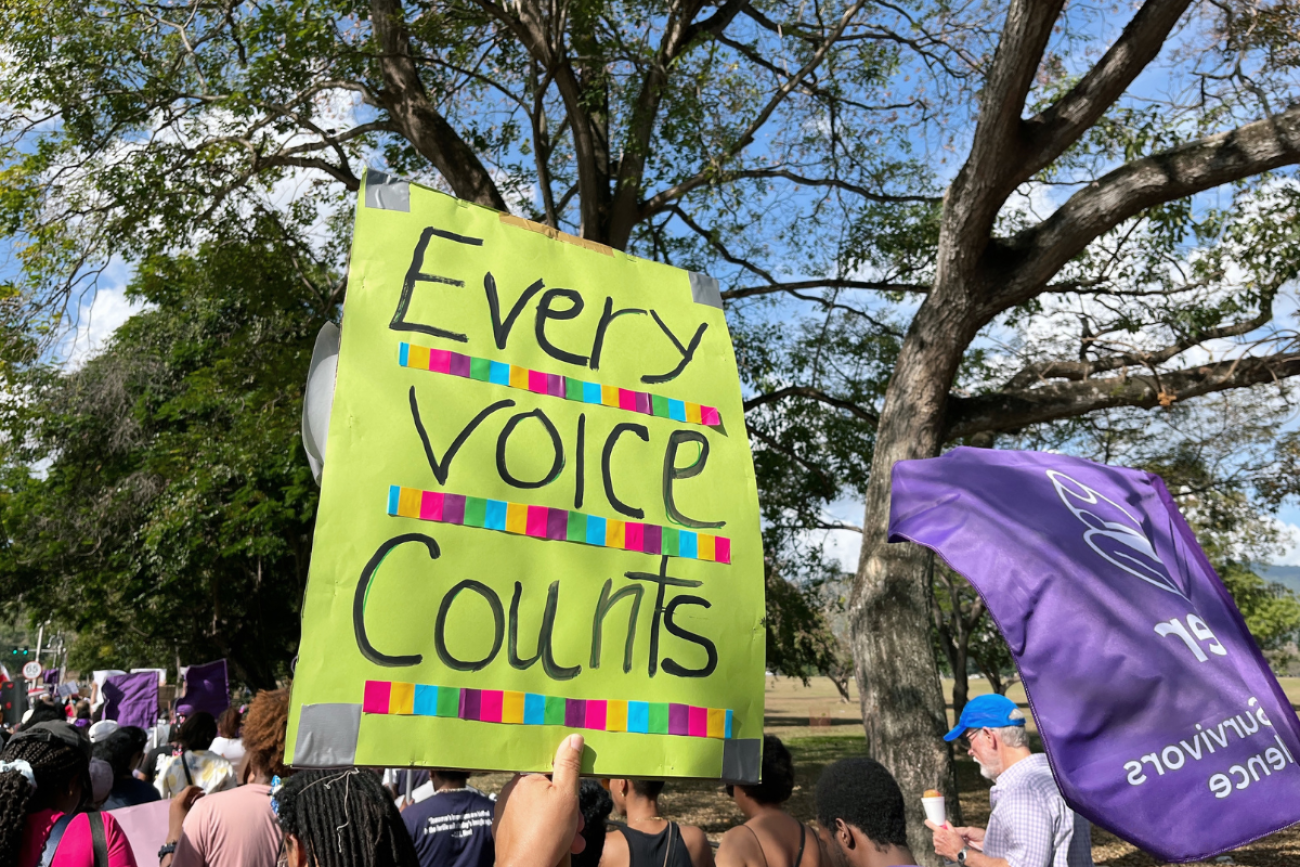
x: 1159, y: 715
x: 206, y: 688
x: 50, y: 676
x: 132, y: 699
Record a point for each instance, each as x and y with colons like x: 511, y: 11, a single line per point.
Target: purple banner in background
x: 132, y: 699
x: 206, y: 688
x: 1162, y: 721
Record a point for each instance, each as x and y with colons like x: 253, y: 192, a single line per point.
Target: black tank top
x: 655, y: 850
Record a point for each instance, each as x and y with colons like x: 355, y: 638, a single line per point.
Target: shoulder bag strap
x: 189, y: 780
x: 52, y: 841
x: 98, y: 839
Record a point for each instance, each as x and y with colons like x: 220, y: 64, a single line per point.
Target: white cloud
x: 1289, y: 544
x: 96, y: 321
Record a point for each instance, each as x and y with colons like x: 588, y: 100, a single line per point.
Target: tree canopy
x: 172, y: 523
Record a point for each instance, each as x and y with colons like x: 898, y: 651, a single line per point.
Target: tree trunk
x: 898, y: 680
x: 960, y: 678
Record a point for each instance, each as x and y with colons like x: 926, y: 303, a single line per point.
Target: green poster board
x: 538, y: 512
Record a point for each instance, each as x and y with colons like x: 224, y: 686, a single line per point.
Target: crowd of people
x: 233, y: 803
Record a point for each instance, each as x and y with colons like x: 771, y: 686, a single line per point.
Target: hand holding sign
x: 537, y: 822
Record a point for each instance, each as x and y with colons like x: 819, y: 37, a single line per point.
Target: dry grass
x: 792, y: 707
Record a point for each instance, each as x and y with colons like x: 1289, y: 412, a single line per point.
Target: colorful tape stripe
x: 527, y: 708
x: 553, y: 384
x: 561, y: 525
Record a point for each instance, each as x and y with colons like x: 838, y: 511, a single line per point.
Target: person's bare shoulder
x: 735, y: 849
x: 615, y: 853
x: 698, y: 845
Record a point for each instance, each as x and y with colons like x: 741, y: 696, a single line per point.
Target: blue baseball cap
x: 984, y: 711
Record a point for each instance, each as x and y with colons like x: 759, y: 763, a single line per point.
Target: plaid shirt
x: 1031, y: 825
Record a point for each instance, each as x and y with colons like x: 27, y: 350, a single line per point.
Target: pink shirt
x: 76, y: 848
x: 230, y: 829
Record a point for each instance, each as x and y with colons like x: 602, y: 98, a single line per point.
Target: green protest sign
x: 538, y: 511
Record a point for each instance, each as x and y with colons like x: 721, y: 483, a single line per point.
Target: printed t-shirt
x: 453, y: 828
x: 230, y: 829
x: 230, y: 749
x: 208, y: 770
x: 76, y: 848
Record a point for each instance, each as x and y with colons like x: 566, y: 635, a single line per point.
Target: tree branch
x: 1015, y: 408
x: 838, y: 184
x: 826, y: 283
x: 1061, y: 125
x: 406, y: 100
x: 1085, y: 369
x: 1132, y: 188
x: 997, y: 150
x: 817, y: 394
x: 665, y: 198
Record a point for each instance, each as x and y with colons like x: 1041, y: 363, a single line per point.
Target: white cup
x: 935, y: 810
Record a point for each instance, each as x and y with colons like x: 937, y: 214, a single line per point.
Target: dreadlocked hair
x: 344, y: 818
x: 55, y: 766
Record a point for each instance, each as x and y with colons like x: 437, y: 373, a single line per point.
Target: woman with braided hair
x: 44, y: 785
x: 341, y: 818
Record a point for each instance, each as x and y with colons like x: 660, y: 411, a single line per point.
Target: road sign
x: 32, y: 670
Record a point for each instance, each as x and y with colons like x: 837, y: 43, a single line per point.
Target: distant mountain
x: 1286, y: 575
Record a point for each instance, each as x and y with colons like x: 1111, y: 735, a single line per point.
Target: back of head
x: 596, y: 805
x: 197, y: 732
x: 778, y: 774
x: 53, y: 765
x: 460, y: 778
x: 864, y: 794
x: 118, y: 749
x: 228, y: 723
x: 264, y: 731
x: 647, y: 788
x: 44, y: 710
x: 344, y: 819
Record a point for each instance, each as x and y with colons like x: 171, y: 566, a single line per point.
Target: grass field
x: 791, y: 711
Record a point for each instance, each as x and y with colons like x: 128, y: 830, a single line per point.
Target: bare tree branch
x: 869, y: 416
x: 827, y: 283
x: 1014, y: 409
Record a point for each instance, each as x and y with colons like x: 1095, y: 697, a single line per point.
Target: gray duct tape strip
x: 742, y: 761
x: 327, y: 735
x: 318, y: 399
x: 387, y: 192
x: 704, y: 290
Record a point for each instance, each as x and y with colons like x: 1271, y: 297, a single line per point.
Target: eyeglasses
x: 965, y: 741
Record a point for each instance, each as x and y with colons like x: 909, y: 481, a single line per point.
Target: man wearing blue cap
x: 1031, y: 825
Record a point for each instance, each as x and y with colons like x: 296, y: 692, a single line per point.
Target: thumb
x: 568, y: 765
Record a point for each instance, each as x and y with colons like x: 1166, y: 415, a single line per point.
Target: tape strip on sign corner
x: 327, y: 735
x: 386, y: 192
x: 396, y: 698
x: 705, y: 289
x: 557, y: 525
x: 555, y: 385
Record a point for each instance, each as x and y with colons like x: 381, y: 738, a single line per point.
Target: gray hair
x: 1013, y: 736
